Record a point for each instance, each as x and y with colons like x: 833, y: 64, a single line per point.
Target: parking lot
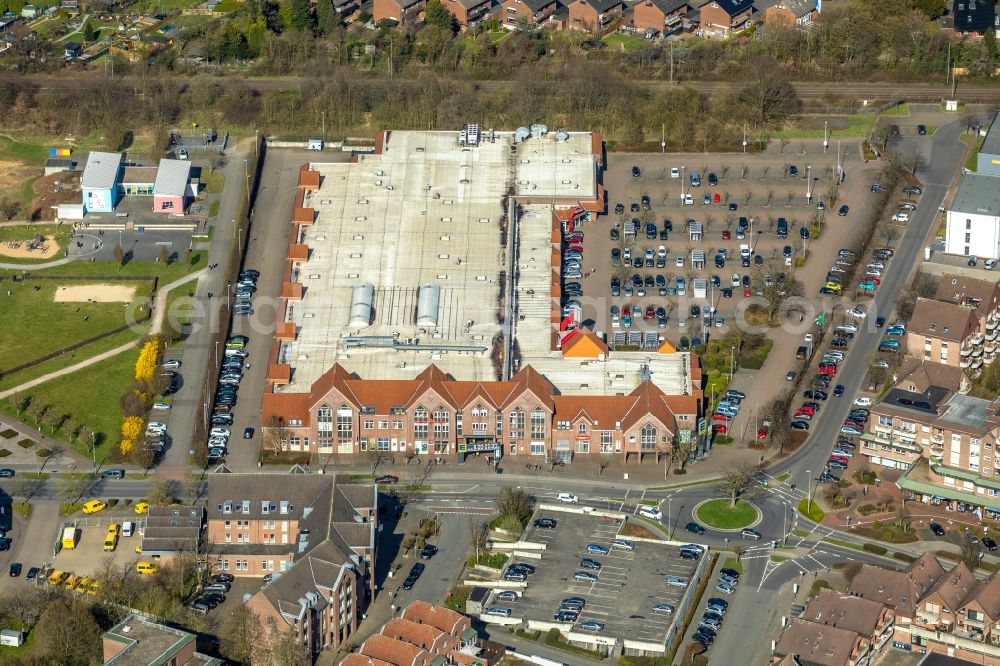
x: 628, y: 586
x: 745, y: 206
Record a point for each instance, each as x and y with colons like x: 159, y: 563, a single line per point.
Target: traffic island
x: 719, y: 515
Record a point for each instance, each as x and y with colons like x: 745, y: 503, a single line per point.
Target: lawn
x: 69, y: 358
x: 733, y: 563
x: 15, y: 150
x: 977, y: 142
x: 90, y: 397
x: 35, y: 325
x: 25, y: 232
x: 621, y: 42
x: 838, y: 127
x: 717, y: 513
x: 87, y: 269
x: 900, y: 110
x: 213, y: 180
x: 811, y: 510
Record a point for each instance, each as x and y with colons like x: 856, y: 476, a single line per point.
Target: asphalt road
x: 945, y: 160
x: 805, y: 90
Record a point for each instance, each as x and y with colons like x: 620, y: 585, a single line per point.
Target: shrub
x: 875, y: 548
x: 9, y: 433
x: 680, y: 470
x: 723, y: 440
x: 903, y: 557
x: 4, y: 453
x: 149, y: 360
x: 26, y: 443
x: 877, y: 525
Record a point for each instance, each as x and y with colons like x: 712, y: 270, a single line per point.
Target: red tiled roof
x: 394, y: 651
x: 411, y: 632
x: 303, y: 216
x: 284, y: 331
x: 292, y: 291
x: 279, y: 373
x: 308, y: 180
x: 586, y: 345
x: 285, y: 405
x: 361, y: 660
x: 439, y: 617
x: 297, y: 252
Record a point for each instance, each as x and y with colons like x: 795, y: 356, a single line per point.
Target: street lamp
x: 809, y: 497
x: 732, y: 362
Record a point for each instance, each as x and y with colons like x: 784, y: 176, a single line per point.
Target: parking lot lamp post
x: 808, y: 183
x: 732, y: 362
x: 682, y: 184
x: 784, y: 520
x: 826, y: 142
x: 216, y: 353
x: 744, y: 138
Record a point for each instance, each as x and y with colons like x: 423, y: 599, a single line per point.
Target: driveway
x: 44, y: 527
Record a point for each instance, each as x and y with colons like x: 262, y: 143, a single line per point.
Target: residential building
x: 982, y: 296
x: 468, y: 13
x: 434, y: 414
x: 173, y: 530
x: 946, y: 333
x: 594, y: 16
x: 797, y: 13
x: 899, y: 590
x: 808, y: 643
x: 260, y: 524
x: 136, y: 641
x: 975, y: 16
x: 172, y: 188
x: 973, y: 219
x: 30, y: 12
x: 100, y: 180
x: 527, y: 13
x: 988, y: 158
x: 663, y: 16
x: 868, y: 618
x: 425, y: 634
x: 720, y: 17
x: 398, y: 12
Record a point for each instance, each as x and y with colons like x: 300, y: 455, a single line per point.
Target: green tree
x: 68, y: 633
x: 990, y: 45
x: 326, y: 18
x: 87, y: 32
x: 435, y: 13
x: 931, y: 8
x: 299, y: 16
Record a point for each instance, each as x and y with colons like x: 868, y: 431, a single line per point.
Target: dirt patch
x: 50, y: 191
x: 94, y: 293
x: 30, y: 248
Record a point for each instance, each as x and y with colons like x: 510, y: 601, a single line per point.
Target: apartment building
x: 594, y: 16
x: 468, y: 13
x: 946, y: 333
x: 663, y: 16
x: 721, y: 17
x: 425, y: 634
x: 437, y: 415
x: 259, y: 524
x: 973, y: 218
x: 527, y: 12
x: 398, y: 12
x: 138, y: 641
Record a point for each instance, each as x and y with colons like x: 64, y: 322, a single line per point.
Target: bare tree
x: 912, y: 159
x: 514, y: 502
x: 194, y: 486
x: 376, y: 457
x: 681, y: 452
x: 241, y: 635
x: 20, y: 402
x: 276, y: 435
x: 162, y: 491
x: 972, y: 553
x: 119, y: 255
x: 68, y: 632
x: 283, y: 648
x: 25, y: 487
x: 603, y: 460
x: 737, y: 480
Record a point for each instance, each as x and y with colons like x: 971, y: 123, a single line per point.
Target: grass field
x: 840, y: 127
x: 60, y: 232
x: 811, y: 510
x: 34, y: 324
x: 717, y: 513
x: 91, y: 397
x: 17, y: 150
x: 70, y: 358
x: 85, y: 269
x: 621, y: 42
x: 897, y: 111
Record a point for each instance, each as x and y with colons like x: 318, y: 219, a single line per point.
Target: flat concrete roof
x: 977, y: 193
x: 425, y: 211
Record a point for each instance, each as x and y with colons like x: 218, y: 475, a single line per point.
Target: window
x: 583, y: 446
x: 228, y: 524
x: 968, y: 224
x: 581, y: 427
x: 383, y: 443
x: 605, y: 441
x: 517, y: 424
x: 420, y: 423
x: 480, y: 427
x: 480, y: 412
x: 968, y: 238
x: 537, y: 424
x: 383, y: 425
x: 442, y: 423
x: 458, y: 423
x: 168, y: 205
x: 397, y: 425
x: 647, y: 438
x: 499, y: 424
x: 562, y: 425
x: 538, y: 448
x: 345, y: 423
x: 885, y: 421
x: 368, y: 425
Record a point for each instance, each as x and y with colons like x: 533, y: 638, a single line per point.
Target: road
x: 805, y: 90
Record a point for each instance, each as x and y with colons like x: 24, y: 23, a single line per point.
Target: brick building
x: 398, y: 12
x: 593, y: 16
x: 793, y: 13
x: 720, y: 17
x: 468, y: 13
x: 527, y: 12
x: 137, y: 641
x: 947, y: 333
x: 663, y: 16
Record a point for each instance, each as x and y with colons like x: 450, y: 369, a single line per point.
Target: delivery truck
x: 69, y: 537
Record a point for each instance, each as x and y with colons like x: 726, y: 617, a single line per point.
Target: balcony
x: 964, y: 363
x: 992, y: 335
x: 965, y: 351
x: 976, y: 339
x: 992, y: 324
x: 990, y: 347
x: 977, y: 363
x: 978, y: 351
x: 956, y: 639
x: 937, y: 439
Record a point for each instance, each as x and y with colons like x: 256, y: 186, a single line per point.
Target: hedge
x: 903, y: 557
x: 875, y: 548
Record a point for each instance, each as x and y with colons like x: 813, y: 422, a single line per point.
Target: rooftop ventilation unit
x: 362, y: 299
x: 521, y: 134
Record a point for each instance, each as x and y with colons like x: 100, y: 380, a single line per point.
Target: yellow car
x: 833, y: 286
x: 93, y: 588
x: 146, y: 568
x: 93, y: 506
x: 57, y: 577
x: 142, y: 507
x: 71, y: 582
x: 81, y: 585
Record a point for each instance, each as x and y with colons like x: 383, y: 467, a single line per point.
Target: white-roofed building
x: 100, y: 180
x: 172, y: 186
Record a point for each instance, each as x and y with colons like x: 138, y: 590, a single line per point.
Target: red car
x: 827, y: 369
x: 719, y: 417
x: 650, y: 312
x: 762, y: 433
x: 805, y: 410
x: 575, y: 237
x: 746, y: 292
x: 854, y: 424
x: 726, y: 235
x: 839, y: 459
x: 719, y: 428
x: 576, y: 248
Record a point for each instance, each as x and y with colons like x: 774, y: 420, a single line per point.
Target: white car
x: 219, y: 432
x: 156, y: 427
x: 858, y: 313
x: 615, y: 321
x: 809, y: 337
x: 172, y: 364
x: 679, y: 262
x: 675, y: 172
x: 161, y: 406
x: 650, y: 512
x: 990, y: 264
x: 688, y: 200
x: 661, y: 251
x: 568, y: 498
x: 863, y: 401
x: 853, y: 328
x: 901, y: 217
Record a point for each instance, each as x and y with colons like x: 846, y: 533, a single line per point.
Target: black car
x: 222, y: 419
x: 727, y: 292
x: 650, y: 231
x: 799, y: 425
x: 879, y: 322
x: 206, y: 602
x: 15, y: 569
x: 793, y: 170
x: 732, y: 573
x: 223, y: 578
x: 546, y: 523
x: 428, y: 552
x: 826, y: 477
x: 713, y: 179
x: 619, y: 208
x: 990, y: 544
x: 893, y: 130
x: 937, y: 529
x: 417, y: 569
x: 615, y: 234
x: 694, y: 527
x: 634, y: 207
x: 247, y: 433
x: 843, y: 210
x: 215, y: 596
x: 695, y: 311
x: 701, y: 637
x: 922, y: 130
x: 720, y: 262
x: 838, y: 390
x: 804, y: 233
x: 387, y: 479
x: 645, y: 202
x: 635, y: 172
x: 690, y: 555
x: 522, y: 567
x: 409, y: 583
x: 32, y: 573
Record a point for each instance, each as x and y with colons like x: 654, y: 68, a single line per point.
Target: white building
x: 974, y: 218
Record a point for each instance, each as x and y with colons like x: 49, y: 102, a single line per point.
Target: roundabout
x: 718, y: 515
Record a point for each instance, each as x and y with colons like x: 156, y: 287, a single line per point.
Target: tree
x: 26, y: 488
x: 241, y: 636
x: 88, y: 33
x: 681, y: 452
x: 933, y: 9
x: 20, y: 402
x: 195, y: 486
x: 436, y: 14
x: 276, y: 435
x: 283, y: 649
x: 326, y: 18
x: 68, y: 633
x: 74, y: 488
x: 514, y: 502
x: 162, y: 491
x: 119, y: 254
x: 72, y: 428
x: 737, y: 479
x: 769, y: 98
x: 971, y: 552
x: 299, y: 16
x: 164, y: 256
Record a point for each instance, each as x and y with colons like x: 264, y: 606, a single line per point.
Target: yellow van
x: 71, y: 582
x: 146, y: 568
x: 93, y: 506
x: 82, y: 585
x: 111, y: 540
x: 57, y: 577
